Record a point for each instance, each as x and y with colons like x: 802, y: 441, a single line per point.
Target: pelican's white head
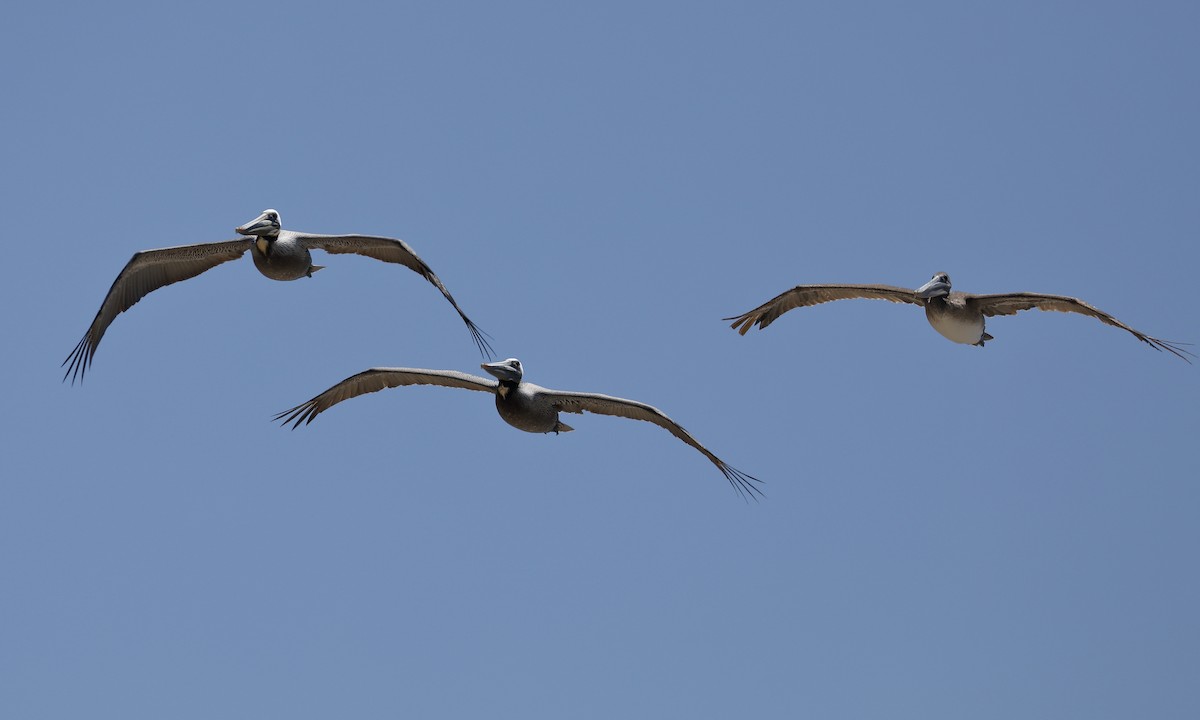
x: 265, y: 224
x: 506, y: 370
x: 938, y: 286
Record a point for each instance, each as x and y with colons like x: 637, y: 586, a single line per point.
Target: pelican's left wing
x: 376, y: 379
x: 575, y: 402
x: 1013, y: 303
x: 395, y: 251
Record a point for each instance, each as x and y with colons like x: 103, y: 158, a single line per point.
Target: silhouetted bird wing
x: 1013, y: 303
x: 146, y: 272
x: 392, y: 250
x: 807, y: 295
x: 577, y: 402
x: 376, y: 379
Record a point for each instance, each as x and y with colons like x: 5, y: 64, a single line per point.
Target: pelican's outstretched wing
x: 376, y: 379
x: 806, y: 295
x: 146, y: 272
x: 576, y: 402
x: 395, y: 251
x: 1013, y: 303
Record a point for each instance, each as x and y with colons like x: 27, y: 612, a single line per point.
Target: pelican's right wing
x: 806, y: 295
x: 146, y: 272
x: 376, y: 379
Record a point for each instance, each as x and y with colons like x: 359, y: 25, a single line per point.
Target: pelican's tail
x: 562, y: 427
x: 312, y: 269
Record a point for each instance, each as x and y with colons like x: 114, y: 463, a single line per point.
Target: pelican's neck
x: 263, y: 244
x: 505, y: 387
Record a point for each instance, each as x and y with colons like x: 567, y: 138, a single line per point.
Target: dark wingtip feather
x: 77, y: 362
x: 743, y: 323
x: 481, y: 339
x: 742, y: 483
x: 294, y: 415
x: 1175, y: 348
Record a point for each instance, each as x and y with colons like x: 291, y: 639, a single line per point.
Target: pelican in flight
x: 278, y: 254
x: 958, y: 316
x: 523, y: 405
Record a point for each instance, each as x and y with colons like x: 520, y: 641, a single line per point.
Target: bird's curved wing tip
x: 743, y: 483
x: 301, y: 414
x: 78, y: 361
x: 481, y: 337
x: 1178, y: 349
x: 743, y: 323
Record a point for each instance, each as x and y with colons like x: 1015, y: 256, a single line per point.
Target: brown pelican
x: 523, y: 405
x: 279, y: 254
x: 956, y: 315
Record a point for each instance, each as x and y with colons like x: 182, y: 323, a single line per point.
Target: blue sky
x: 947, y: 531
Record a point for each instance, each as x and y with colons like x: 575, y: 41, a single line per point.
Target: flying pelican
x: 958, y: 316
x: 523, y: 405
x: 278, y: 254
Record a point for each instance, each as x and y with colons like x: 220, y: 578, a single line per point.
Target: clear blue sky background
x: 948, y: 531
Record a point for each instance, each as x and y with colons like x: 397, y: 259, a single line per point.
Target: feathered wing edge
x: 374, y: 380
x: 146, y: 272
x: 573, y: 402
x: 1012, y: 303
x: 394, y: 250
x: 809, y: 295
